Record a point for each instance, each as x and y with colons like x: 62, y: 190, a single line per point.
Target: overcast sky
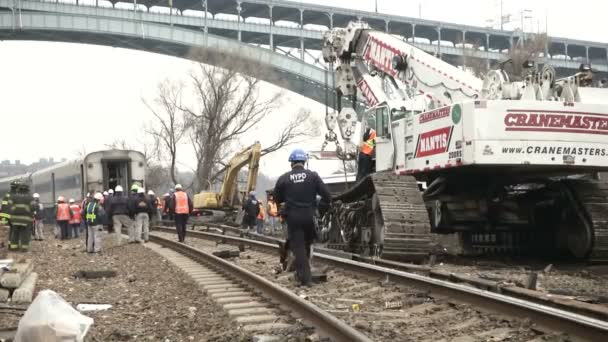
x: 60, y: 99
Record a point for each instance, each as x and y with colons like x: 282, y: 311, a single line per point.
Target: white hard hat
x: 118, y: 188
x: 36, y: 195
x: 60, y: 199
x: 98, y: 196
x: 150, y: 192
x: 71, y: 200
x: 178, y: 186
x: 88, y: 194
x: 105, y: 193
x: 141, y: 191
x: 111, y: 191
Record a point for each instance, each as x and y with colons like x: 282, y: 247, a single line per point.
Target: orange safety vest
x: 272, y: 209
x: 159, y: 204
x: 367, y: 147
x: 76, y: 218
x: 261, y: 214
x: 181, y: 203
x: 63, y: 212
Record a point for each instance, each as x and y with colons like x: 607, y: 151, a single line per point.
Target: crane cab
x: 394, y: 137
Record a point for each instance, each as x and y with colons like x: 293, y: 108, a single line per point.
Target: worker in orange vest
x: 273, y: 214
x: 63, y: 215
x: 75, y: 220
x: 366, y: 151
x: 181, y: 207
x: 260, y: 219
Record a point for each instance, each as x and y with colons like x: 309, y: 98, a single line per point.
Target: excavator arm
x: 226, y: 198
x: 250, y: 156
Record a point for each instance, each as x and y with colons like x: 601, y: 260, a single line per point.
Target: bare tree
x: 228, y: 106
x: 170, y: 126
x: 528, y: 49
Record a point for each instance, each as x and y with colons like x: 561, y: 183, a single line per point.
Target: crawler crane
x: 509, y: 165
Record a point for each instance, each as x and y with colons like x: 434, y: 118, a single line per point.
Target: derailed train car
x: 97, y: 171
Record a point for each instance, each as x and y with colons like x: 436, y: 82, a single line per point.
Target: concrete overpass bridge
x: 283, y: 36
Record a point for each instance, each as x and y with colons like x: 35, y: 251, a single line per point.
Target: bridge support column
x: 464, y: 43
x: 566, y: 51
x: 439, y: 42
x: 301, y: 34
x: 413, y: 33
x: 271, y: 38
x: 238, y: 29
x: 488, y: 51
x: 387, y: 26
x: 587, y: 53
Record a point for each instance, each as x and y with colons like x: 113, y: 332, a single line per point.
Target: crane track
x: 233, y: 285
x: 590, y: 324
x: 406, y: 234
x: 593, y: 197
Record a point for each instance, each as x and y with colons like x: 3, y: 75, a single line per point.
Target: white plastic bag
x: 51, y: 319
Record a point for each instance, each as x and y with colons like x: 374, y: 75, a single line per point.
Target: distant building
x: 8, y: 169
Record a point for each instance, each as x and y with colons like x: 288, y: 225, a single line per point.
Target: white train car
x: 97, y: 171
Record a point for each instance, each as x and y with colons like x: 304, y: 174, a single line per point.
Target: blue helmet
x: 298, y: 155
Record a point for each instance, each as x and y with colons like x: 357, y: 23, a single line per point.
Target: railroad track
x: 589, y: 324
x: 255, y: 303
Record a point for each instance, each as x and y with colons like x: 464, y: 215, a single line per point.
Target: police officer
x: 298, y: 189
x: 22, y: 209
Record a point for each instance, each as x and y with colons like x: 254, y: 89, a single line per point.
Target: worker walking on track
x: 273, y: 214
x: 38, y: 224
x: 75, y: 220
x: 252, y: 209
x: 260, y: 219
x: 366, y: 151
x: 21, y: 209
x: 118, y: 211
x: 181, y: 207
x: 94, y: 214
x: 143, y: 210
x: 63, y: 215
x: 298, y: 189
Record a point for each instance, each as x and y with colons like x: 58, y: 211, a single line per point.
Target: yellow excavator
x: 226, y: 204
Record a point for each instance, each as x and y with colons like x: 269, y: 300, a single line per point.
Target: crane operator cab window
x: 383, y: 122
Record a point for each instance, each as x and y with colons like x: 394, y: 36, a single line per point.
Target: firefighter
x: 22, y: 209
x: 4, y: 215
x: 38, y: 224
x: 181, y: 207
x: 298, y: 189
x: 366, y: 151
x: 63, y: 215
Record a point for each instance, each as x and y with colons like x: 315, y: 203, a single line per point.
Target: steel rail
x: 555, y: 319
x: 326, y: 323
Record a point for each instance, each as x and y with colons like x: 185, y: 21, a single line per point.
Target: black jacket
x: 119, y: 205
x: 298, y: 189
x: 140, y: 204
x: 251, y: 207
